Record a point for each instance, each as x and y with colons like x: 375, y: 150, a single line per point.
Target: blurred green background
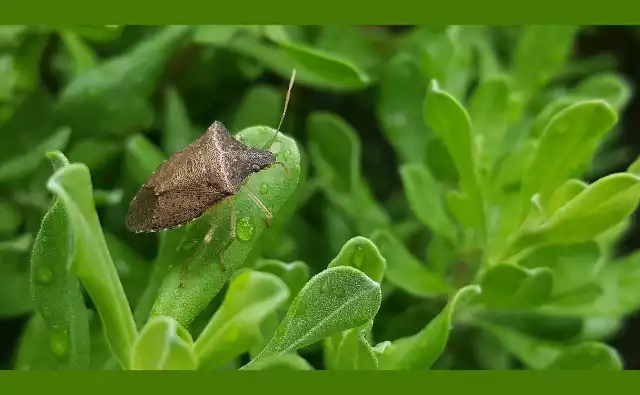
x: 162, y: 89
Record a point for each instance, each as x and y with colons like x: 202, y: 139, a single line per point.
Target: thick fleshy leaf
x: 599, y: 207
x: 336, y: 153
x: 112, y: 98
x: 163, y: 345
x: 289, y: 361
x: 177, y: 133
x: 569, y: 140
x: 23, y: 164
x: 353, y: 351
x: 360, y: 253
x: 422, y: 350
x: 488, y: 110
x: 334, y: 300
x: 57, y: 292
x: 423, y: 193
x: 262, y: 105
x: 449, y: 120
x: 540, y: 54
x: 512, y: 287
x: 294, y: 274
x: 92, y: 262
x: 235, y: 326
x: 407, y: 272
x: 587, y: 356
x: 315, y: 68
x: 402, y: 92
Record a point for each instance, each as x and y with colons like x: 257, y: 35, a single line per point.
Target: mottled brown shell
x: 192, y: 180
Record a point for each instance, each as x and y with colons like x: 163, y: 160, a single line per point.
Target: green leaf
x: 142, y: 157
x: 262, y: 105
x: 204, y: 279
x: 235, y: 326
x: 610, y: 87
x: 56, y: 292
x: 422, y: 350
x: 214, y: 34
x: 112, y: 98
x: 15, y: 295
x: 569, y: 140
x: 163, y: 345
x: 354, y: 351
x: 535, y: 354
x: 360, y: 253
x: 19, y: 244
x: 10, y: 217
x: 334, y: 300
x: 587, y: 356
x: 634, y: 168
x: 177, y: 133
x: 446, y: 56
x: 573, y: 265
x: 34, y: 352
x: 402, y: 92
x: 449, y: 120
x: 405, y: 271
x: 23, y: 164
x: 331, y: 66
x: 94, y: 153
x: 540, y: 54
x: 620, y: 284
x: 98, y: 33
x: 422, y: 192
x: 82, y: 56
x: 133, y: 270
x: 290, y: 361
x: 92, y: 261
x: 336, y: 153
x: 294, y: 274
x: 314, y: 68
x: 599, y: 207
x: 564, y: 194
x: 363, y: 48
x: 511, y: 287
x: 488, y: 110
x: 547, y: 355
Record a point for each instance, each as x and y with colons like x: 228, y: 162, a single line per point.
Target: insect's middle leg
x: 207, y: 239
x: 258, y: 202
x: 232, y: 235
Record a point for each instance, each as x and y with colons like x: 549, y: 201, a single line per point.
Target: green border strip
x: 327, y: 11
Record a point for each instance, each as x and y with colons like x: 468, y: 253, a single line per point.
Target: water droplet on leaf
x: 264, y: 189
x: 44, y: 275
x: 59, y: 341
x: 244, y: 229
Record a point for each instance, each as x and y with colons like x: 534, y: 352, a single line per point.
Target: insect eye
x: 256, y: 167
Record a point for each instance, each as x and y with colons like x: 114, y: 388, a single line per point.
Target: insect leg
x: 207, y: 239
x: 232, y: 235
x: 259, y: 203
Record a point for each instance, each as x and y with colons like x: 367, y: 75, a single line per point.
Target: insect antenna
x: 286, y: 104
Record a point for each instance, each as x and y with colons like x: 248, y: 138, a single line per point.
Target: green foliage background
x: 469, y: 222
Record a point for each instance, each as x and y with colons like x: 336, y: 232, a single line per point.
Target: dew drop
x: 59, y: 342
x: 244, y: 229
x: 264, y: 189
x: 44, y: 275
x: 287, y: 155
